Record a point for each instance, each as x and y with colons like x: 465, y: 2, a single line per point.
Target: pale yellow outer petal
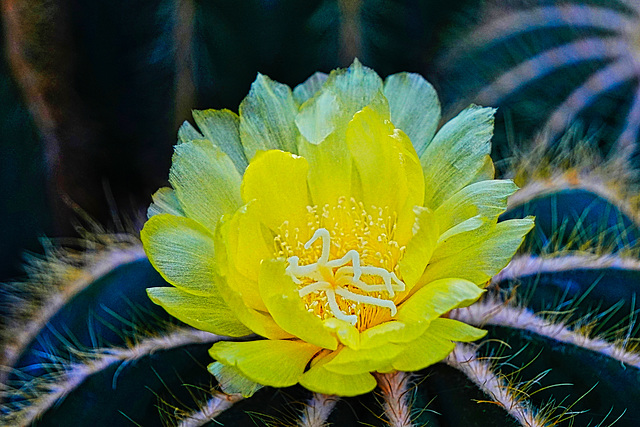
x: 489, y: 254
x: 276, y: 363
x: 320, y: 380
x: 182, y: 250
x: 208, y: 313
x: 435, y: 344
x: 277, y: 180
x: 206, y: 182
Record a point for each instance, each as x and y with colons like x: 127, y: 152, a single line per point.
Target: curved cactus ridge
x: 552, y: 64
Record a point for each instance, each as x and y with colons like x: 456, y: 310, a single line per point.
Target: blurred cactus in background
x: 92, y: 96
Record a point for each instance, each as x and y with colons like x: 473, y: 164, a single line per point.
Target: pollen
x: 345, y: 262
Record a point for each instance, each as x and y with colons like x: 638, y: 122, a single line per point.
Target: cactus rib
x: 463, y: 358
x: 47, y: 391
x: 317, y: 410
x: 493, y: 311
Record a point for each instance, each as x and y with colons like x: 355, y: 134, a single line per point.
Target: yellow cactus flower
x: 343, y: 243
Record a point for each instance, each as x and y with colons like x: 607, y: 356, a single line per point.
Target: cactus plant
x: 550, y: 64
x: 83, y: 344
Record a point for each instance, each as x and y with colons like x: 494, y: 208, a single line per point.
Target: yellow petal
x: 278, y: 182
x: 206, y: 182
x: 276, y: 363
x: 182, y: 250
x: 486, y: 257
x: 321, y: 380
x: 351, y: 361
x: 419, y: 248
x: 258, y: 321
x: 346, y: 333
x: 208, y: 313
x: 382, y: 156
x: 435, y: 344
x: 246, y: 248
x: 282, y: 299
x: 330, y: 169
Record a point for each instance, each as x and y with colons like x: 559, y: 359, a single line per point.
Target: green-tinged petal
x: 422, y: 352
x: 456, y: 154
x: 486, y: 172
x: 206, y: 182
x: 320, y: 380
x: 356, y: 87
x: 480, y: 262
x: 455, y: 330
x: 188, y: 133
x: 278, y: 182
x: 350, y: 361
x: 282, y: 299
x: 419, y: 248
x: 309, y: 88
x: 437, y: 298
x: 391, y: 332
x: 222, y: 127
x: 182, y: 250
x: 379, y: 157
x: 208, y: 313
x: 346, y: 333
x: 487, y: 199
x: 414, y: 107
x: 435, y: 344
x: 276, y: 363
x: 330, y: 169
x: 165, y: 201
x: 232, y: 381
x: 316, y: 118
x: 267, y: 117
x: 466, y: 227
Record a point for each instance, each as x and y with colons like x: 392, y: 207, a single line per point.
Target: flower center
x: 347, y: 268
